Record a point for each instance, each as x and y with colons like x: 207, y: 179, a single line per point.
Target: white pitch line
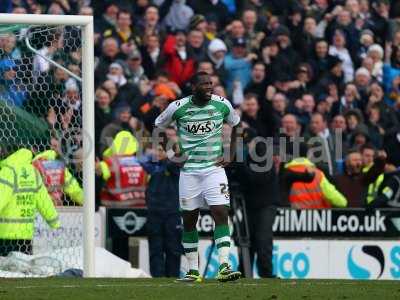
x: 300, y: 283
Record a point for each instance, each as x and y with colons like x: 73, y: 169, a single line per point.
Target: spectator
x: 149, y: 24
x: 375, y: 51
x: 366, y: 40
x: 9, y: 89
x: 178, y: 62
x: 339, y: 49
x: 350, y: 100
x: 282, y: 35
x: 258, y: 84
x: 279, y: 106
x: 121, y: 121
x: 110, y: 53
x: 108, y: 19
x: 135, y: 70
x: 163, y: 219
x: 236, y: 30
x: 238, y: 65
x: 334, y: 76
x: 362, y: 82
x: 216, y: 53
x: 178, y: 16
x: 215, y: 8
x: 124, y: 32
x: 322, y: 145
x: 127, y: 92
x: 354, y: 182
x: 319, y: 60
x: 197, y: 45
x: 152, y: 58
x: 103, y: 112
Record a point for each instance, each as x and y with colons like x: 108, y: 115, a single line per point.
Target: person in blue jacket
x: 164, y: 225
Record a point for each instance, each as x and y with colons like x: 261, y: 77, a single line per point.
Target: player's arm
x: 233, y: 119
x: 167, y: 116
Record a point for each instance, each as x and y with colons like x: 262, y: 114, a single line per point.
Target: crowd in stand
x: 291, y: 68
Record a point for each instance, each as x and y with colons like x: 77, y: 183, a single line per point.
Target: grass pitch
x: 163, y: 289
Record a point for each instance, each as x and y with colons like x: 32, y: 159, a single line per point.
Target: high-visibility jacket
x: 125, y: 178
x: 22, y: 195
x: 57, y: 178
x: 373, y: 187
x: 317, y: 194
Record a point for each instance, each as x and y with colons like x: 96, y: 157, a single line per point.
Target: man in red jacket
x: 178, y: 62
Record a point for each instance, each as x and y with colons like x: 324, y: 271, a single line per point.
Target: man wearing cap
x: 135, y: 70
x: 282, y: 35
x: 238, y: 64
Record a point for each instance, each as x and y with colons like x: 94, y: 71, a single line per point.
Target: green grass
x: 162, y: 289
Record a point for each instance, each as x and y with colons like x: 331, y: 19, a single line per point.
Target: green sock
x: 222, y: 240
x: 190, y: 242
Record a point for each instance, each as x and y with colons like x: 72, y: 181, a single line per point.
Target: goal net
x: 41, y: 110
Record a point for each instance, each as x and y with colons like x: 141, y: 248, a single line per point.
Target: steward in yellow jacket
x: 315, y: 194
x: 22, y: 195
x: 124, y: 177
x: 57, y: 178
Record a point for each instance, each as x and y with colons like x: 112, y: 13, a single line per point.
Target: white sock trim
x: 223, y: 239
x: 190, y: 245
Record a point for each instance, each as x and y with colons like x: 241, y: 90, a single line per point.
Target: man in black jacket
x: 389, y: 190
x: 259, y: 184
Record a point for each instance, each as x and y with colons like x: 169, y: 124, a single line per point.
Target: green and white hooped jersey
x: 199, y: 129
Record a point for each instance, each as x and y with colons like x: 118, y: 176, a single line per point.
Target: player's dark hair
x: 196, y: 77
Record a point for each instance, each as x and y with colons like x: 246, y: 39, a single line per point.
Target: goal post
x: 85, y: 23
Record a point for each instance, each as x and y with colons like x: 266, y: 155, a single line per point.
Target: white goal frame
x: 87, y: 119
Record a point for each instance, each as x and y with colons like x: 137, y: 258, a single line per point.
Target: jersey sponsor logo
x: 200, y: 128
